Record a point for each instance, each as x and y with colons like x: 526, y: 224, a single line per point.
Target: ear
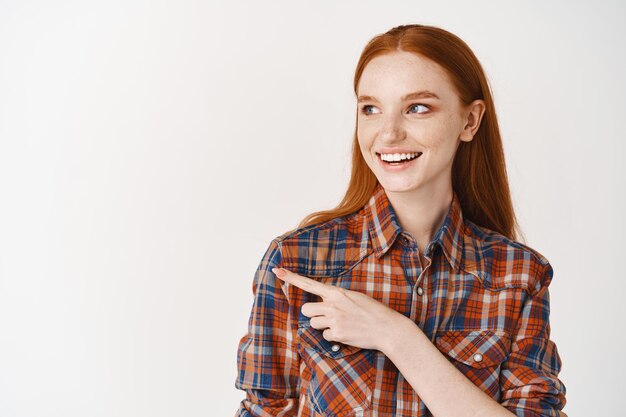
x: 474, y: 112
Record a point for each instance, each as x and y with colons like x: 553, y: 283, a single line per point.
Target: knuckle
x: 339, y: 292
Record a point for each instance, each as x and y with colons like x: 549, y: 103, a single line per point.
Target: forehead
x: 392, y: 75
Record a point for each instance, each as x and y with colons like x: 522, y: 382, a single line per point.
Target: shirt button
x: 335, y: 347
x: 420, y: 291
x: 478, y: 357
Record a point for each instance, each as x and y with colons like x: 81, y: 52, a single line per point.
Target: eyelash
x: 411, y: 106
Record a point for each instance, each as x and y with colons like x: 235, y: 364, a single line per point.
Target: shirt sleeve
x: 267, y: 357
x: 529, y: 376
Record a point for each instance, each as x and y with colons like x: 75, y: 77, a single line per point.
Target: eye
x: 419, y: 104
x: 365, y: 108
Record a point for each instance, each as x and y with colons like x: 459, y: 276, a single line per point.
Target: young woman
x: 413, y: 297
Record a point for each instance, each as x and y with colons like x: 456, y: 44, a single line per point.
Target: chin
x: 398, y: 186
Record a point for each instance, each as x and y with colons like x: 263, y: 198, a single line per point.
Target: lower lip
x: 397, y: 167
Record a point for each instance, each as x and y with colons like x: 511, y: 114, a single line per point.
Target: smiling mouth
x: 403, y: 161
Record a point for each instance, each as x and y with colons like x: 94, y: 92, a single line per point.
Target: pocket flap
x: 313, y: 338
x: 477, y: 348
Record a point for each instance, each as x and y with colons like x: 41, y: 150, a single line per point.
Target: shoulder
x: 325, y: 248
x: 504, y: 262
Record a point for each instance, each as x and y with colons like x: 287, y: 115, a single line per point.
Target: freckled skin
x: 420, y: 194
x: 391, y: 122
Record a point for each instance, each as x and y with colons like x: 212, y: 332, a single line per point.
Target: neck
x: 422, y: 212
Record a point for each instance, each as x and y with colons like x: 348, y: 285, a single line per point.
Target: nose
x: 392, y: 129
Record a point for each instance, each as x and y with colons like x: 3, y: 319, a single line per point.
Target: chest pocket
x: 341, y: 375
x: 478, y: 354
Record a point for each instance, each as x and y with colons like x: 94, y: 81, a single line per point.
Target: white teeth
x: 398, y: 156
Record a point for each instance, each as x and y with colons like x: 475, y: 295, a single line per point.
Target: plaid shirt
x: 483, y: 301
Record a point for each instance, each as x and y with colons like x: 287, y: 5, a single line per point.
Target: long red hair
x: 478, y: 171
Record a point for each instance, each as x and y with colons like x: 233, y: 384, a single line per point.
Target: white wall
x: 150, y: 150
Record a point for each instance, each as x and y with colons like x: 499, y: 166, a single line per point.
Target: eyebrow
x: 410, y: 96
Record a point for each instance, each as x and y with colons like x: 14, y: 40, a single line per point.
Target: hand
x: 348, y: 317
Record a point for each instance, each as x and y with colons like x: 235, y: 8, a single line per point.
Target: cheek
x: 364, y: 139
x: 366, y: 154
x: 362, y: 134
x: 435, y: 138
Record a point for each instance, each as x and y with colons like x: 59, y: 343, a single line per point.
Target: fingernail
x: 279, y: 272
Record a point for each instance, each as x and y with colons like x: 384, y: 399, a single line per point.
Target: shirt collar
x: 384, y: 227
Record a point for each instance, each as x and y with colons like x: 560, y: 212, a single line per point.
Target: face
x: 393, y: 120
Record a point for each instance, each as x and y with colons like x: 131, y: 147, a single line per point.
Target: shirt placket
x: 416, y: 275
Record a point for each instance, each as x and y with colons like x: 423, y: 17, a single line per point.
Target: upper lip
x: 396, y: 150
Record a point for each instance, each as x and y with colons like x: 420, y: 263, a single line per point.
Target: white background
x: 150, y: 151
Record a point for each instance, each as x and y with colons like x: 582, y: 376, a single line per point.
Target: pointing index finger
x: 300, y: 281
